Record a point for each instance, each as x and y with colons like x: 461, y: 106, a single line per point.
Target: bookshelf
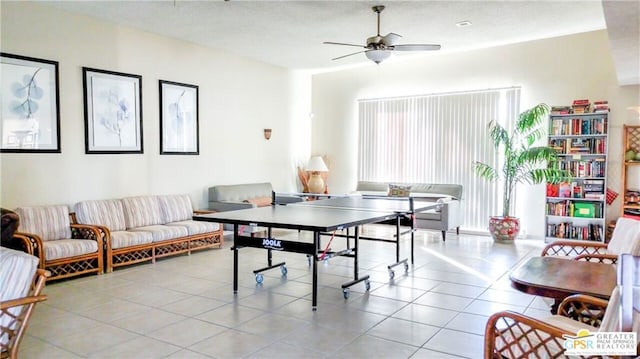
x: 576, y: 209
x: 631, y: 172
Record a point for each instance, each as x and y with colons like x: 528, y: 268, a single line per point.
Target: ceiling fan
x: 379, y: 48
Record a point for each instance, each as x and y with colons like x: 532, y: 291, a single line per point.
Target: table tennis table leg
x: 397, y: 239
x: 398, y: 261
x: 235, y: 258
x: 356, y: 278
x: 270, y: 265
x: 413, y: 231
x: 314, y: 280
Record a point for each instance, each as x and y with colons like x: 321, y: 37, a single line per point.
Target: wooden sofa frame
x: 120, y: 257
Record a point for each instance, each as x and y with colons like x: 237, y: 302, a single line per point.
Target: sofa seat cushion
x: 162, y: 233
x: 124, y: 239
x: 108, y: 213
x: 176, y: 208
x: 48, y: 222
x: 142, y: 211
x: 65, y: 248
x: 196, y: 227
x: 259, y: 201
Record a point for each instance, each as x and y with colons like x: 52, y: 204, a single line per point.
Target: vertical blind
x: 435, y: 139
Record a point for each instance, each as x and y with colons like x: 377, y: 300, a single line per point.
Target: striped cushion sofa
x: 143, y: 228
x: 63, y: 248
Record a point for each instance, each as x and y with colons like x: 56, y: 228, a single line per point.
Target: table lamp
x: 315, y: 166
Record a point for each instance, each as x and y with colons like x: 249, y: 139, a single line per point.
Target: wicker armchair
x: 625, y: 239
x: 21, y: 283
x: 63, y: 248
x: 513, y: 335
x: 18, y: 311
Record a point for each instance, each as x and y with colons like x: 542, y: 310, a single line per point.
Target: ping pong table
x: 321, y: 217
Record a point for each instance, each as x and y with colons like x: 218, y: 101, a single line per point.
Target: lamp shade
x: 316, y: 164
x: 377, y: 56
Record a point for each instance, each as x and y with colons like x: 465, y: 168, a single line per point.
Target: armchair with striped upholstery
x: 63, y: 248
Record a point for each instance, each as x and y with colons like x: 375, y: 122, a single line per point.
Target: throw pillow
x: 259, y: 201
x: 398, y: 190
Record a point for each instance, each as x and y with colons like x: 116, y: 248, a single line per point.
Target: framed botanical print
x: 112, y: 112
x: 30, y: 119
x: 179, y: 132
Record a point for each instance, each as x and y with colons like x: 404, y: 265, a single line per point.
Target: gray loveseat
x: 445, y: 217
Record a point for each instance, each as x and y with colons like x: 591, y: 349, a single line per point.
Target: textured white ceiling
x: 623, y: 26
x: 290, y: 33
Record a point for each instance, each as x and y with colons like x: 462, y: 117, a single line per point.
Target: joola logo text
x: 272, y: 243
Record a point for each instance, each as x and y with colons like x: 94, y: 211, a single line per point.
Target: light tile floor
x: 184, y: 306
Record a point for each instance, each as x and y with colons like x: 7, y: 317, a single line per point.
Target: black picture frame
x: 112, y: 112
x: 179, y: 118
x: 30, y: 114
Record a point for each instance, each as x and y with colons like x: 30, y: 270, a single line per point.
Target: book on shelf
x: 590, y: 232
x: 601, y: 106
x: 581, y: 102
x: 579, y: 110
x: 564, y: 190
x: 560, y: 110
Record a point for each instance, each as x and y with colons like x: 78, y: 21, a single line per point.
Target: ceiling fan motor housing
x: 376, y: 43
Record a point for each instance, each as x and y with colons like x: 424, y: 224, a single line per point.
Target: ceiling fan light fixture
x: 377, y: 56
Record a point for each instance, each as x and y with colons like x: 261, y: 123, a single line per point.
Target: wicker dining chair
x: 513, y: 335
x: 625, y: 239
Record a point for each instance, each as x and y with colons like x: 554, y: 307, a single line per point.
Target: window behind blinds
x: 435, y: 139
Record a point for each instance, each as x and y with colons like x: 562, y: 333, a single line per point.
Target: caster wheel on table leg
x: 284, y: 270
x: 259, y: 278
x: 367, y: 285
x: 345, y: 293
x: 406, y: 268
x: 392, y: 274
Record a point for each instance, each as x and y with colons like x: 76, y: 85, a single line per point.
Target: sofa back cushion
x: 366, y: 186
x: 435, y: 189
x: 142, y: 211
x: 48, y: 222
x: 240, y: 192
x: 176, y: 208
x: 445, y: 190
x: 108, y: 212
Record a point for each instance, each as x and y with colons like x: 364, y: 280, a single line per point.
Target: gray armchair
x: 445, y: 217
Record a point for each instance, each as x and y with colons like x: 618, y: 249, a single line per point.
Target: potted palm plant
x: 523, y: 162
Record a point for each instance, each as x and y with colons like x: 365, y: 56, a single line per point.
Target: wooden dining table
x: 558, y: 278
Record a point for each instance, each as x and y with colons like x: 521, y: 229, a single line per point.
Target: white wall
x: 238, y: 99
x: 554, y: 71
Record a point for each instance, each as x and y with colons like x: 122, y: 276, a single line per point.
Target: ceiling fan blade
x: 391, y: 38
x: 417, y: 47
x: 343, y: 56
x: 342, y: 43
